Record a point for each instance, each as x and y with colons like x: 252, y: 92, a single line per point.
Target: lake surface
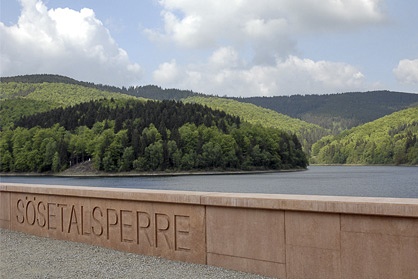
x: 368, y: 181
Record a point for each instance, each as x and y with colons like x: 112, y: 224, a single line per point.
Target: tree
x: 127, y: 159
x: 113, y: 153
x: 188, y: 137
x: 6, y: 149
x: 212, y: 155
x: 154, y: 155
x: 22, y: 145
x: 102, y: 143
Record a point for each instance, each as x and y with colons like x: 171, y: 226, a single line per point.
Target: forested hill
x: 133, y: 135
x: 48, y: 78
x: 388, y: 140
x: 19, y: 99
x: 158, y: 93
x: 308, y: 133
x: 148, y: 91
x: 25, y: 95
x: 337, y: 112
x: 86, y: 115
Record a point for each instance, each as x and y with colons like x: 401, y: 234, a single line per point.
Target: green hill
x: 48, y: 78
x: 50, y: 122
x: 148, y: 91
x: 308, y: 133
x: 387, y: 140
x: 335, y: 112
x: 338, y: 112
x: 20, y: 98
x: 391, y: 139
x: 133, y: 135
x: 158, y: 93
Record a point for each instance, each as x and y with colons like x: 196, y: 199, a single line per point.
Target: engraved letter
x: 33, y: 217
x: 20, y: 205
x: 182, y: 233
x: 50, y: 215
x: 100, y: 231
x: 144, y: 223
x: 114, y: 223
x: 123, y: 225
x: 61, y: 207
x: 73, y: 220
x: 41, y: 216
x: 162, y: 224
x: 82, y: 222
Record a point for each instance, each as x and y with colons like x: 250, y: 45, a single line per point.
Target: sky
x: 226, y: 48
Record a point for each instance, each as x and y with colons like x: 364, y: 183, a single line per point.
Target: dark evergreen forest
x: 337, y: 112
x: 133, y: 135
x: 164, y: 114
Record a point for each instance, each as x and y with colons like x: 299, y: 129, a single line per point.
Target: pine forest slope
x: 21, y: 99
x: 391, y: 139
x: 26, y: 95
x: 308, y: 133
x: 132, y: 135
x: 338, y: 112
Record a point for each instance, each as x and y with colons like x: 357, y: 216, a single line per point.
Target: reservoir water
x: 366, y: 181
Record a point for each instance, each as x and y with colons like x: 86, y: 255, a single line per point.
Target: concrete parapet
x: 283, y: 236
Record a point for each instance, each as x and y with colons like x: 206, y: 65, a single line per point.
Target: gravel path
x: 27, y: 256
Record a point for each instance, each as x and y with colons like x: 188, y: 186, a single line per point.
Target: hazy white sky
x: 234, y: 47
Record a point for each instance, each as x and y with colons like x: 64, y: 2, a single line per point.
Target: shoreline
x: 80, y: 173
x: 147, y: 174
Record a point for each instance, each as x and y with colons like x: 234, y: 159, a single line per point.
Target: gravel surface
x: 27, y: 256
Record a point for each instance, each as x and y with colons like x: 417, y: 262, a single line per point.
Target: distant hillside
x: 149, y: 91
x: 26, y: 95
x: 337, y: 112
x: 391, y: 139
x: 308, y: 133
x: 41, y: 78
x: 51, y: 122
x: 131, y: 135
x: 24, y: 100
x: 157, y: 93
x: 19, y: 98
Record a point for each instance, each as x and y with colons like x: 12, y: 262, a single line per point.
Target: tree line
x: 389, y: 140
x: 121, y: 136
x: 337, y: 112
x: 307, y: 133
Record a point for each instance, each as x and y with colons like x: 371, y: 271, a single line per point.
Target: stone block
x: 307, y: 229
x: 380, y: 225
x: 4, y: 210
x: 255, y: 234
x: 312, y: 263
x: 370, y: 255
x: 173, y: 231
x: 271, y: 269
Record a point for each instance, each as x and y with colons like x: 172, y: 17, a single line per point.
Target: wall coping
x: 404, y: 207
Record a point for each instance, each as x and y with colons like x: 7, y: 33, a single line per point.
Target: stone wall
x: 283, y: 236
